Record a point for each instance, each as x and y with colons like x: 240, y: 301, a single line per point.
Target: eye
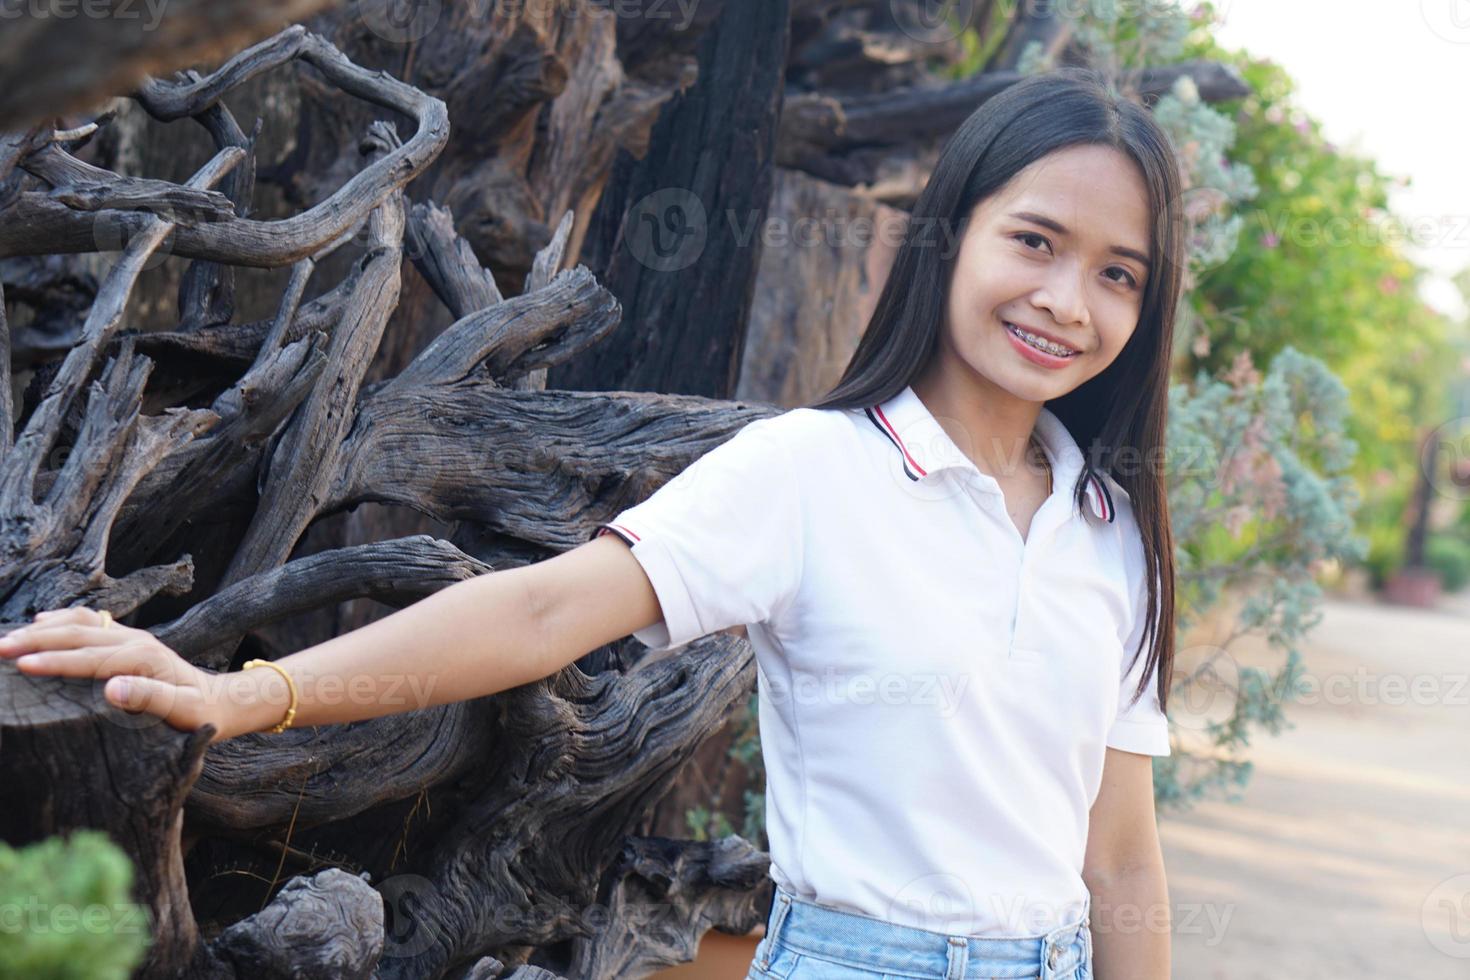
x: 1025, y: 237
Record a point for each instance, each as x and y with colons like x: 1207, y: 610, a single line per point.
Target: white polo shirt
x: 935, y: 694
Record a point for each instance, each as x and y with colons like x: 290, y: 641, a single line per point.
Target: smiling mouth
x: 1039, y: 342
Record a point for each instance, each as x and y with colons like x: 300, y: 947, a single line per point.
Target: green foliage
x: 1214, y: 185
x: 711, y: 822
x: 70, y: 914
x: 1320, y: 265
x: 1123, y: 34
x: 1450, y: 558
x: 1262, y: 499
x: 976, y: 52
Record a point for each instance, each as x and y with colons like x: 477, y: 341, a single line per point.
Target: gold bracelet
x: 291, y: 711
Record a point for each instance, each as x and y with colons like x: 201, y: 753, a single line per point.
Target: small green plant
x: 710, y: 822
x: 66, y: 911
x: 1450, y: 558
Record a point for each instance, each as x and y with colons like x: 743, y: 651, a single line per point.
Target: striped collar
x: 925, y: 448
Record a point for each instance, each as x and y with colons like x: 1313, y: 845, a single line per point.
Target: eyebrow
x: 1056, y: 226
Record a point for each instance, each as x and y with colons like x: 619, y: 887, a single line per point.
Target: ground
x: 1349, y: 855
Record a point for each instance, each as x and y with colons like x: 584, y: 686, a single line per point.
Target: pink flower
x: 1388, y: 284
x: 1242, y: 374
x: 1269, y: 240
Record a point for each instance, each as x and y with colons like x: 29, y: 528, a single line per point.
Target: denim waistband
x: 874, y: 944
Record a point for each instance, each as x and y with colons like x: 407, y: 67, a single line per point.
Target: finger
x: 180, y: 707
x: 80, y: 615
x: 30, y: 639
x: 103, y: 662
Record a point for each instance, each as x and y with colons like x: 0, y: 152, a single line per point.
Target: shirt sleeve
x: 721, y: 542
x: 1141, y: 727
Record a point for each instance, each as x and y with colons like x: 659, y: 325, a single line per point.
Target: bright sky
x: 1390, y: 80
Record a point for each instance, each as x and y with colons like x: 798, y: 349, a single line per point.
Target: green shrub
x: 66, y: 910
x: 1450, y: 557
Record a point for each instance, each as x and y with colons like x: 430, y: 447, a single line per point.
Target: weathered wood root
x: 327, y: 926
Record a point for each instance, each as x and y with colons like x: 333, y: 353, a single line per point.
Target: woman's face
x: 1061, y: 250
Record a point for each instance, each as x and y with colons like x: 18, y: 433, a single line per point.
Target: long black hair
x: 1119, y: 416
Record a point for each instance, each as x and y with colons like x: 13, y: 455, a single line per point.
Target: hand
x: 142, y: 674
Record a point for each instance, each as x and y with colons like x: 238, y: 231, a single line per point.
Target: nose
x: 1064, y: 295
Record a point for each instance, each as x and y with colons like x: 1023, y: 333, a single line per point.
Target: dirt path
x: 1349, y: 855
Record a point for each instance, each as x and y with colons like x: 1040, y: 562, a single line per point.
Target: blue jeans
x: 806, y: 941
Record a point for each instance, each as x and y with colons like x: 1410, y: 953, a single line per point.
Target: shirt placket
x: 1022, y: 640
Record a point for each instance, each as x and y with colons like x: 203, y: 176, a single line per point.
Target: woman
x: 955, y: 569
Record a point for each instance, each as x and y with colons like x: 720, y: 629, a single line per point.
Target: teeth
x: 1041, y: 343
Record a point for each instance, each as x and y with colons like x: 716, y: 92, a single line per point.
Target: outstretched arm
x: 476, y: 637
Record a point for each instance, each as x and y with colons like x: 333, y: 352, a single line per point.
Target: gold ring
x: 106, y: 618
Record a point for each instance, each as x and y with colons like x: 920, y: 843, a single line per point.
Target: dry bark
x: 293, y: 433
